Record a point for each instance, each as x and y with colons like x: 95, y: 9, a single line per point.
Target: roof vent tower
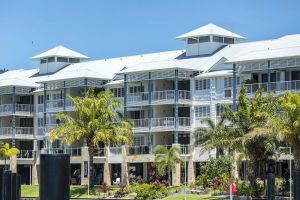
x: 207, y: 39
x: 57, y: 58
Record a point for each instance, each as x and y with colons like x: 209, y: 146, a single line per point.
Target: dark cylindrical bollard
x: 16, y: 186
x: 54, y: 177
x: 271, y: 186
x: 296, y: 185
x: 6, y: 186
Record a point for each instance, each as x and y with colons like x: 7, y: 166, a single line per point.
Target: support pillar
x: 124, y: 167
x: 191, y: 167
x: 176, y: 108
x: 176, y: 172
x: 107, y: 168
x: 234, y: 90
x: 269, y: 78
x: 84, y: 168
x: 145, y: 171
x: 13, y: 164
x: 13, y: 122
x: 34, y: 169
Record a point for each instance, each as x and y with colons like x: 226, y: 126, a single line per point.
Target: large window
x: 204, y: 39
x: 202, y: 84
x: 202, y: 111
x: 228, y: 40
x: 62, y: 59
x: 74, y: 60
x: 138, y: 140
x: 218, y: 39
x: 118, y: 92
x: 192, y: 41
x: 228, y: 81
x: 136, y: 89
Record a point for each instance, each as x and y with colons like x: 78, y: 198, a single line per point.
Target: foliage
x: 253, y: 135
x: 215, y: 174
x: 243, y: 188
x: 150, y: 190
x: 7, y: 152
x: 215, y: 136
x: 96, y: 120
x: 286, y: 123
x: 121, y: 192
x: 105, y: 187
x: 167, y: 159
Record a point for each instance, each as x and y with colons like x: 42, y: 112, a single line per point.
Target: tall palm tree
x: 215, y: 136
x: 7, y: 152
x: 96, y: 119
x: 253, y: 129
x: 167, y: 159
x: 287, y: 123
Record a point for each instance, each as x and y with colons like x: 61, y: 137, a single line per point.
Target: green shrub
x: 243, y: 188
x: 149, y: 190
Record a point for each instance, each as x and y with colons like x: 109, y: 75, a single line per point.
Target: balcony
x: 21, y: 109
x: 137, y: 99
x: 158, y: 97
x: 55, y: 105
x: 141, y: 150
x: 161, y: 124
x: 26, y: 154
x: 21, y: 133
x: 278, y: 87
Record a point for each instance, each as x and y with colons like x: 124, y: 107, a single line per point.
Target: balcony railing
x: 100, y: 152
x: 168, y: 96
x: 278, y: 87
x: 115, y: 151
x: 23, y: 109
x: 140, y: 98
x: 55, y: 104
x: 73, y: 152
x: 161, y: 124
x: 21, y: 132
x: 26, y: 154
x: 136, y: 150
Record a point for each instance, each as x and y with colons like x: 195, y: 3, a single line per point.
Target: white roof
x: 287, y: 46
x: 60, y: 51
x: 209, y: 29
x: 19, y: 78
x: 215, y: 74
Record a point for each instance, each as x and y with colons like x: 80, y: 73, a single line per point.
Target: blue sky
x: 112, y: 28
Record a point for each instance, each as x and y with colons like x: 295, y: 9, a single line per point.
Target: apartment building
x: 165, y: 94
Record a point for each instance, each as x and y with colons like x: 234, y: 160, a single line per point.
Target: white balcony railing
x: 55, y: 104
x: 7, y: 109
x: 140, y: 98
x: 163, y: 124
x: 140, y: 125
x: 278, y: 87
x: 165, y: 95
x: 21, y: 132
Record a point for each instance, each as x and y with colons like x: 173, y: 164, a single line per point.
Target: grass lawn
x: 190, y: 197
x: 76, y: 191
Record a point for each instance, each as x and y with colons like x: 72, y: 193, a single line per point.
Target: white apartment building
x: 166, y: 94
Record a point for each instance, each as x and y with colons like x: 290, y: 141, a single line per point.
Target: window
x: 202, y: 84
x: 202, y: 111
x: 192, y: 41
x: 74, y: 60
x: 62, y: 59
x: 136, y: 89
x: 227, y: 93
x: 43, y: 61
x: 40, y: 99
x: 218, y: 39
x: 51, y: 59
x: 220, y: 109
x: 56, y: 96
x: 138, y: 140
x: 204, y: 39
x: 228, y: 40
x: 228, y: 82
x: 117, y: 92
x: 40, y: 122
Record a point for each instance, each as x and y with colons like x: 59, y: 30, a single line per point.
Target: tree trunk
x: 5, y: 167
x: 91, y: 165
x: 169, y: 177
x: 252, y: 172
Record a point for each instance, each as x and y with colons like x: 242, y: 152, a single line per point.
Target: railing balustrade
x: 136, y: 150
x: 20, y: 108
x: 165, y: 122
x: 26, y: 154
x: 137, y: 98
x: 115, y: 151
x: 100, y: 152
x: 55, y: 104
x: 163, y: 95
x: 184, y: 121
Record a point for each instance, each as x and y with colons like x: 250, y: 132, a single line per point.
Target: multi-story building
x: 165, y: 94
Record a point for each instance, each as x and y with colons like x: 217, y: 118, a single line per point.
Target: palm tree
x: 215, y: 136
x: 253, y: 129
x: 96, y: 119
x: 167, y: 159
x: 7, y: 152
x: 286, y: 123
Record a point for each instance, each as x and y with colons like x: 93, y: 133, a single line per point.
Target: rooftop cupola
x: 57, y: 58
x: 207, y: 39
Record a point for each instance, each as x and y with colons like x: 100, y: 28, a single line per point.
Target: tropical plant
x: 7, y: 152
x: 253, y: 130
x: 167, y: 159
x: 96, y: 120
x: 286, y: 123
x: 214, y: 136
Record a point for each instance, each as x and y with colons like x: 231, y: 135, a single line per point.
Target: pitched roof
x: 19, y: 77
x: 60, y: 51
x: 209, y: 29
